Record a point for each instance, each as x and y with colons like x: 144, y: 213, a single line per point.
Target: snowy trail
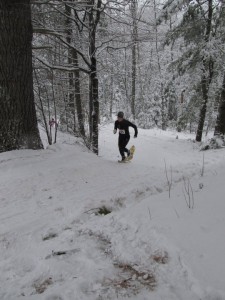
x: 43, y: 199
x: 153, y: 150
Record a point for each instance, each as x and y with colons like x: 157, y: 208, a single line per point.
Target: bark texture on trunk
x: 80, y: 114
x: 71, y: 92
x: 18, y: 122
x: 206, y: 76
x: 203, y: 108
x: 134, y: 56
x: 95, y: 115
x: 93, y: 80
x: 220, y: 122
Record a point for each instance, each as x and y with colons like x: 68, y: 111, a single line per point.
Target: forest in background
x: 161, y: 62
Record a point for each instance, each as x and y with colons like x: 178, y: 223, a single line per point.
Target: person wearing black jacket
x: 124, y: 135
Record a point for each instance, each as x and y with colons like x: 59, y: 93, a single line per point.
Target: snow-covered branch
x: 61, y: 68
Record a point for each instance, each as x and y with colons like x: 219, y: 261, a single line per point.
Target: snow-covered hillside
x: 157, y: 242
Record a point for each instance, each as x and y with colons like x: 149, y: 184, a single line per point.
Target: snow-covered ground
x: 157, y: 243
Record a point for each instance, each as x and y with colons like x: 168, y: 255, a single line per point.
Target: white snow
x: 54, y: 246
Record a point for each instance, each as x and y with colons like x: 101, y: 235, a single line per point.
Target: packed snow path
x: 152, y: 246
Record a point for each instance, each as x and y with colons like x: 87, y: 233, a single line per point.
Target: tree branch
x: 62, y: 68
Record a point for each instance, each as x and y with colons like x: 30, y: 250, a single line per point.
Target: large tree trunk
x: 18, y: 122
x: 220, y: 122
x: 206, y: 76
x: 205, y: 83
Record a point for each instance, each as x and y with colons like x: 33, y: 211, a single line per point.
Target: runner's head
x: 120, y: 116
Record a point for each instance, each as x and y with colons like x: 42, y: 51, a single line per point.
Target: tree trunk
x: 93, y: 80
x: 111, y: 93
x: 220, y: 122
x: 41, y: 108
x: 93, y: 67
x: 133, y: 87
x: 206, y: 76
x: 203, y: 108
x: 95, y: 116
x: 126, y: 76
x: 18, y: 121
x: 93, y: 101
x: 70, y: 61
x: 80, y: 115
x: 134, y: 56
x: 163, y: 100
x: 74, y: 76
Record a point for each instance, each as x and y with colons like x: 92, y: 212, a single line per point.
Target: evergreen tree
x: 195, y: 34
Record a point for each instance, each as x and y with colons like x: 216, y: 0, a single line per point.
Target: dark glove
x: 135, y: 136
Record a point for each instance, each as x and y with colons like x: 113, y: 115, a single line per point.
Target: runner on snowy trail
x: 124, y: 135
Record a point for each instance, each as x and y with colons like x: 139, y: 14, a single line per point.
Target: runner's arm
x: 135, y: 128
x: 115, y: 127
